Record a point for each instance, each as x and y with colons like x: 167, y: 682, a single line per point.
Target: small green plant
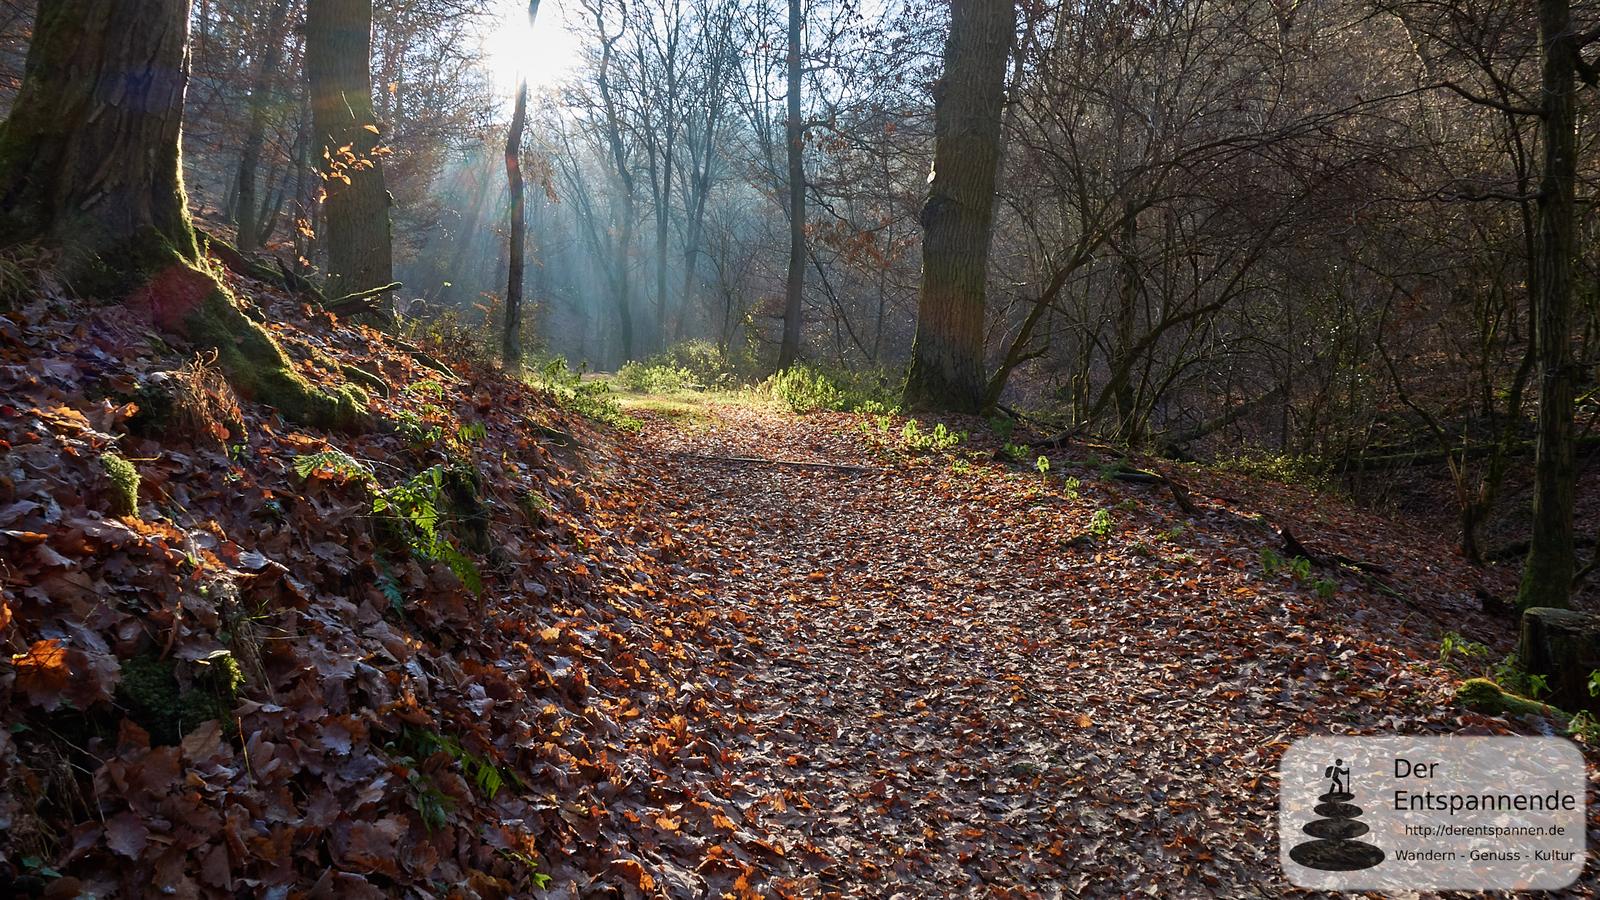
x: 805, y: 390
x: 936, y: 440
x: 1100, y: 524
x: 1273, y: 562
x: 333, y: 463
x: 539, y: 879
x: 1300, y: 568
x: 1536, y: 684
x: 433, y: 806
x: 1071, y: 487
x: 1585, y: 727
x: 1015, y: 451
x: 1454, y: 647
x: 1003, y: 427
x: 1172, y: 533
x: 415, y: 505
x: 1042, y: 464
x: 1325, y: 588
x: 1594, y: 683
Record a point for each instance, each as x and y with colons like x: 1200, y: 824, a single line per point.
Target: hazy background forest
x: 1300, y: 228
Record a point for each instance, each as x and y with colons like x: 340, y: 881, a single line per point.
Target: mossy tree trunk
x: 89, y: 155
x: 1547, y: 573
x: 355, y: 205
x: 947, y: 356
x: 89, y: 166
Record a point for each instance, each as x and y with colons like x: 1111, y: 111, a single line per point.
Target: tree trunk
x: 355, y: 204
x: 249, y: 237
x: 1128, y: 288
x: 795, y: 137
x: 89, y: 154
x: 511, y: 346
x: 1547, y: 574
x: 89, y: 164
x: 947, y: 357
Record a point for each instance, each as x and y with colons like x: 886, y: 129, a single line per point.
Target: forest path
x: 940, y: 695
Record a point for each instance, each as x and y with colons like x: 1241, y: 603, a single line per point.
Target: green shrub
x: 708, y: 364
x: 1100, y: 524
x: 655, y: 378
x: 591, y: 399
x: 806, y: 389
x: 1282, y: 468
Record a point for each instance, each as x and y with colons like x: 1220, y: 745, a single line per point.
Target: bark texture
x: 89, y: 155
x: 247, y: 219
x: 947, y: 367
x: 511, y: 346
x: 1547, y: 573
x: 795, y: 138
x: 355, y: 208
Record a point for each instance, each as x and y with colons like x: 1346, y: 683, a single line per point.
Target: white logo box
x: 1432, y: 813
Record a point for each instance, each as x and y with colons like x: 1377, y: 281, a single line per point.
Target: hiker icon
x: 1340, y: 773
x: 1335, y: 848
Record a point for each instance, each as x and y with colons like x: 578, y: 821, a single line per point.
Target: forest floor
x: 492, y: 647
x: 956, y: 679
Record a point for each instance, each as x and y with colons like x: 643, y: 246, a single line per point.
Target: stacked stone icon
x: 1334, y: 847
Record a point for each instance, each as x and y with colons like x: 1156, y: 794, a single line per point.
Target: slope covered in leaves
x: 434, y: 658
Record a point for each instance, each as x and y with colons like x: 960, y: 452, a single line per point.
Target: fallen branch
x: 1292, y: 548
x: 1180, y: 494
x: 422, y: 356
x: 361, y: 301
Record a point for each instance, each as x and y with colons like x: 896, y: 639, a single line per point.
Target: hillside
x: 486, y: 647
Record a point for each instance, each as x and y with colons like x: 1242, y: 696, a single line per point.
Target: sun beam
x: 546, y: 54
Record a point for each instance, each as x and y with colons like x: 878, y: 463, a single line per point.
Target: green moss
x: 150, y: 693
x: 258, y: 368
x: 1485, y: 696
x: 124, y: 494
x: 366, y: 379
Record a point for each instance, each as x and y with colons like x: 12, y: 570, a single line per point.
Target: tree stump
x: 1563, y: 645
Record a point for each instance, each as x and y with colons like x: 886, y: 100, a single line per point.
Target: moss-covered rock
x: 1485, y: 696
x: 123, y: 496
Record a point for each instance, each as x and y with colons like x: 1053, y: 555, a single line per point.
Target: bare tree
x: 947, y: 360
